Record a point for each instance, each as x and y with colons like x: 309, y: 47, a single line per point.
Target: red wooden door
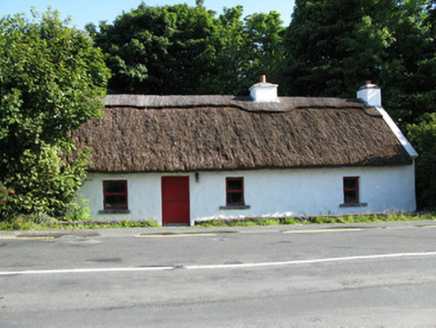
x: 175, y: 201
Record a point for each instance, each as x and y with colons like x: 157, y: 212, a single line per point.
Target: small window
x: 115, y: 195
x: 235, y: 191
x: 351, y: 190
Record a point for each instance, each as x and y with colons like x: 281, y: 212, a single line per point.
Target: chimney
x: 371, y: 94
x: 264, y: 91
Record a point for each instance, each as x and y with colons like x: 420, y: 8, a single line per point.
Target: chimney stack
x: 371, y: 94
x: 264, y: 91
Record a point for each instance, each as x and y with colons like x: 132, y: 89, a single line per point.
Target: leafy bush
x: 7, y: 201
x: 79, y: 211
x: 268, y: 222
x: 51, y: 81
x: 46, y: 183
x: 423, y: 138
x: 364, y: 218
x: 290, y: 220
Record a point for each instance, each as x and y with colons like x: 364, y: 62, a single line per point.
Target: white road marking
x: 222, y: 266
x: 314, y: 261
x: 97, y: 270
x: 322, y: 230
x: 26, y: 237
x: 176, y: 235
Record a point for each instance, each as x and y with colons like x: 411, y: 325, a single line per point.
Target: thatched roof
x: 195, y: 133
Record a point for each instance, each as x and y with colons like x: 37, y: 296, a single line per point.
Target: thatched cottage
x: 178, y: 159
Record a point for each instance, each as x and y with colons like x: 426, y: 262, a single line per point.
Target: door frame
x: 185, y: 179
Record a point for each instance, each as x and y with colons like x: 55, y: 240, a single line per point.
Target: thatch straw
x: 184, y: 133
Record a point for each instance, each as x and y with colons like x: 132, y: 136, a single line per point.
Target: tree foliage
x: 248, y: 47
x: 158, y: 50
x: 334, y: 46
x: 187, y: 50
x: 51, y: 82
x: 321, y: 44
x: 423, y: 137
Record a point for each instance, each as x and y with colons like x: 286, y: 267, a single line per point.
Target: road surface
x: 366, y: 275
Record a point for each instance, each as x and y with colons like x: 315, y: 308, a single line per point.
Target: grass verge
x: 27, y: 222
x: 36, y: 223
x: 367, y: 218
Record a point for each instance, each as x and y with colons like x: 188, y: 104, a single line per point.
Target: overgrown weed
x: 320, y: 219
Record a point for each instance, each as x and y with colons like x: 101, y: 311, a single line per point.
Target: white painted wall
x: 287, y: 192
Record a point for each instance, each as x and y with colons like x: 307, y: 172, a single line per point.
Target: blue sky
x: 94, y: 11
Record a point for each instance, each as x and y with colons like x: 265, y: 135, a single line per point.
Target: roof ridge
x: 242, y: 102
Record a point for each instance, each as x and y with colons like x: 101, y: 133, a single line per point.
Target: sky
x: 83, y: 12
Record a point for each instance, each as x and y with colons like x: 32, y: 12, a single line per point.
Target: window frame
x: 241, y: 191
x: 355, y: 189
x: 105, y: 194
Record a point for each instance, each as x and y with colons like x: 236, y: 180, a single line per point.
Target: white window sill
x: 114, y: 211
x: 235, y: 207
x: 353, y: 205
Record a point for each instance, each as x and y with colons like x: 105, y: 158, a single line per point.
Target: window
x: 351, y: 190
x: 235, y: 191
x: 115, y: 195
x: 235, y: 195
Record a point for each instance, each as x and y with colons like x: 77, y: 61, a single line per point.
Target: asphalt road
x: 367, y: 275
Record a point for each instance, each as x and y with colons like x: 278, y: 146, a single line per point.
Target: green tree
x: 423, y: 138
x: 408, y: 68
x: 248, y: 47
x: 264, y: 38
x: 321, y: 44
x: 333, y: 46
x: 51, y: 81
x: 423, y: 133
x: 229, y: 57
x: 187, y: 50
x: 159, y: 50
